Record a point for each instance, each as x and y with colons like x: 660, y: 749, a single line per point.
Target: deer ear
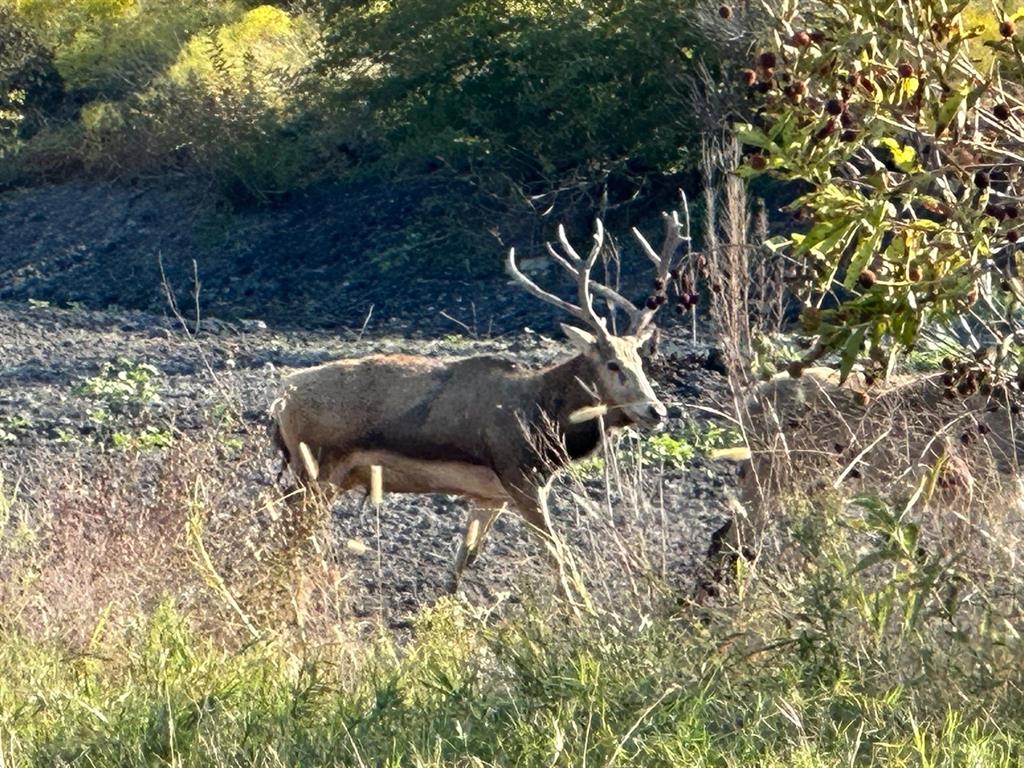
x: 582, y: 340
x: 647, y: 340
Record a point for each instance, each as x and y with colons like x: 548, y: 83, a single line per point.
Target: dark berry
x: 652, y: 302
x: 1007, y: 28
x: 848, y: 135
x: 1013, y: 236
x: 1001, y: 111
x: 825, y: 131
x: 867, y: 278
x: 817, y: 37
x: 748, y: 76
x: 834, y: 107
x: 758, y: 162
x: 725, y: 12
x: 767, y: 60
x: 981, y: 180
x: 801, y: 39
x: 1011, y: 211
x: 905, y: 70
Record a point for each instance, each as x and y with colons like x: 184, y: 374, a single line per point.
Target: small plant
x: 10, y: 426
x: 123, y: 392
x: 123, y: 386
x: 667, y: 450
x: 148, y: 438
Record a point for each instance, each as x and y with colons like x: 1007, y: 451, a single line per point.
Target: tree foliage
x: 544, y: 94
x: 902, y: 124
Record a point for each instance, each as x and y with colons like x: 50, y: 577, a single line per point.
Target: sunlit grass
x: 855, y: 646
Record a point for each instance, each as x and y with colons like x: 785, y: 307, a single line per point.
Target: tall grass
x: 163, y: 609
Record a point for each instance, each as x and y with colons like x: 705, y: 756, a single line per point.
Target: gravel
x: 45, y: 419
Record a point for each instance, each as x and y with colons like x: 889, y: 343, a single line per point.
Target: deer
x: 911, y: 438
x: 485, y: 428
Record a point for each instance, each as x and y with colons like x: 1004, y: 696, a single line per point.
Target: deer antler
x: 663, y: 262
x: 607, y: 293
x: 579, y: 268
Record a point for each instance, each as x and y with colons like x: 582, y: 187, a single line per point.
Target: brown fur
x: 479, y: 427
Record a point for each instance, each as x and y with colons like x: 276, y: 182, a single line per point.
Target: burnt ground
x: 328, y: 257
x: 48, y: 422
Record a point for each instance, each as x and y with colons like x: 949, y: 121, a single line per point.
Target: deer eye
x: 613, y: 367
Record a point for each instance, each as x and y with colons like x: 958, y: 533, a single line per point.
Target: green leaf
x: 850, y: 352
x: 903, y: 157
x: 748, y: 134
x: 947, y: 111
x: 862, y: 257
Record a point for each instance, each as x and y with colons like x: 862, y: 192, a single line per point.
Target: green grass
x: 538, y: 690
x: 850, y: 650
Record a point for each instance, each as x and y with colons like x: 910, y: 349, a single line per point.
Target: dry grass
x: 115, y: 534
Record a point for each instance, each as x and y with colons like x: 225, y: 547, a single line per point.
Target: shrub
x: 904, y: 149
x: 535, y: 94
x: 111, y: 48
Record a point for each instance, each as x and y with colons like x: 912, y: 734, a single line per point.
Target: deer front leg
x: 529, y: 492
x: 481, y: 518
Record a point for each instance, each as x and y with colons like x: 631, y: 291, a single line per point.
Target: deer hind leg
x: 481, y: 518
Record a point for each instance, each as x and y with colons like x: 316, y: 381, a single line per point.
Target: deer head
x: 615, y: 365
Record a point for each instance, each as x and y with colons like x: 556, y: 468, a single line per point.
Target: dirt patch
x: 52, y: 416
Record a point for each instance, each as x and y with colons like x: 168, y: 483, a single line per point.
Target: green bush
x: 540, y: 93
x: 111, y: 48
x: 30, y: 86
x: 221, y: 110
x: 513, y: 98
x: 900, y: 124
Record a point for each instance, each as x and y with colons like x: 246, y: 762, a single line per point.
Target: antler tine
x: 564, y: 240
x: 536, y: 290
x: 649, y: 252
x: 583, y: 279
x: 673, y: 239
x: 600, y: 289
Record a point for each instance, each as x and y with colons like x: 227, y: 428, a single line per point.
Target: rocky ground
x: 337, y: 255
x: 51, y: 416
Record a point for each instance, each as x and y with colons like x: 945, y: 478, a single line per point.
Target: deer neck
x: 564, y: 389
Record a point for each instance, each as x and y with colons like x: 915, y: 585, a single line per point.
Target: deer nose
x: 657, y: 411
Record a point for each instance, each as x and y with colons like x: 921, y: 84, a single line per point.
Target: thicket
x: 530, y: 102
x: 901, y: 122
